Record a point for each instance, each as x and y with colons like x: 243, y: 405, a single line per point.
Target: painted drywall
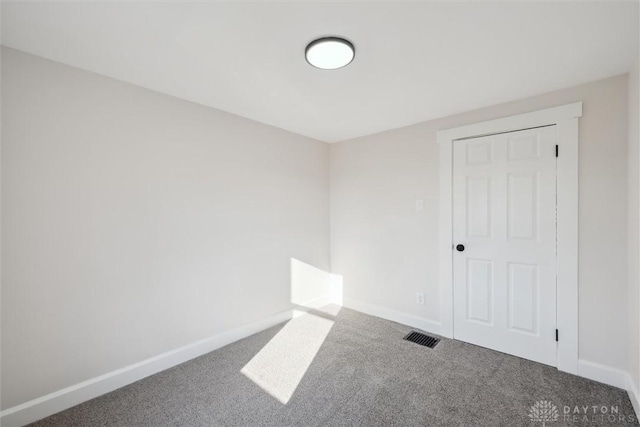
x: 387, y: 250
x: 633, y: 222
x: 135, y: 223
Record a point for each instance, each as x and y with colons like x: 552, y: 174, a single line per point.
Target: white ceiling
x: 414, y: 61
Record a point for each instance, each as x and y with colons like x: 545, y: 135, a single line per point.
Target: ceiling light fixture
x: 330, y: 53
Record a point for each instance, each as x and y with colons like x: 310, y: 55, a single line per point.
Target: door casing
x: 565, y: 117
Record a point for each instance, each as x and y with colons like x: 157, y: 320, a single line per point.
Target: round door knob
x: 460, y: 248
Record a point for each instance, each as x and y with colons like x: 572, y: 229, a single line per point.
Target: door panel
x: 504, y: 213
x: 480, y: 290
x: 523, y: 297
x: 479, y: 206
x: 522, y: 194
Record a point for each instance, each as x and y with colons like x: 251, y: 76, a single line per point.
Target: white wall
x: 135, y: 223
x: 387, y: 252
x: 633, y: 256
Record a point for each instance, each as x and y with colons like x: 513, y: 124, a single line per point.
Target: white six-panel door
x: 504, y: 214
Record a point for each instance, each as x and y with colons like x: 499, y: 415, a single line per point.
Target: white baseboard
x: 426, y: 325
x: 634, y: 395
x: 604, y: 374
x: 70, y: 396
x: 313, y: 304
x: 611, y: 376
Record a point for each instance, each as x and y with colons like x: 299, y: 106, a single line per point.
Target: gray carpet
x: 363, y: 374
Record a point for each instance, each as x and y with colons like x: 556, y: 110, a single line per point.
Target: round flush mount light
x: 330, y: 53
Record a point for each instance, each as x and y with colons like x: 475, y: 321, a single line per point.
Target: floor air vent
x: 422, y: 339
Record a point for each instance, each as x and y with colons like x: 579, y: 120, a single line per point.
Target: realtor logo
x: 543, y: 412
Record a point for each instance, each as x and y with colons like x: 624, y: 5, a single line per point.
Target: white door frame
x: 566, y: 119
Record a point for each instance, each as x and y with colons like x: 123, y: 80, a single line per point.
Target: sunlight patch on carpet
x: 280, y: 365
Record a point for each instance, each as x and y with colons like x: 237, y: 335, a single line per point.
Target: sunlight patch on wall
x: 313, y: 288
x: 310, y: 286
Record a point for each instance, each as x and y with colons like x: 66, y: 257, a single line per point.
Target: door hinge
x: 556, y: 150
x: 556, y: 335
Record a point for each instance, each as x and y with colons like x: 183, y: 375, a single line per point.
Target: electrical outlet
x: 420, y: 298
x: 419, y: 205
